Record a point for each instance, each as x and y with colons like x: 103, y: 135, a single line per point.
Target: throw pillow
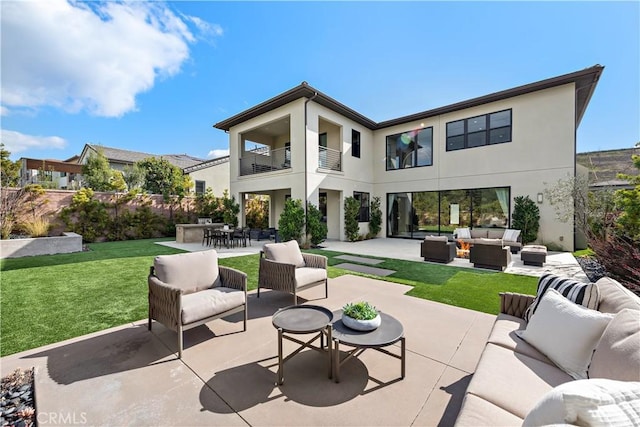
x: 436, y: 238
x: 464, y: 233
x: 565, y: 332
x: 585, y: 294
x: 617, y: 355
x: 588, y: 402
x: 511, y: 235
x: 287, y: 253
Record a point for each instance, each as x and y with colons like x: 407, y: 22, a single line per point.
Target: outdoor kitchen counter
x: 192, y: 233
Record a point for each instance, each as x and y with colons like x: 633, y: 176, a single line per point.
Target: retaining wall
x: 16, y: 248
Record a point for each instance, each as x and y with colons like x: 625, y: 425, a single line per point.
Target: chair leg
x: 149, y: 325
x: 326, y: 288
x: 246, y: 314
x: 180, y: 342
x: 295, y: 298
x: 258, y: 290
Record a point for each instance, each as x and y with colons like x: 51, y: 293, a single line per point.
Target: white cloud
x: 214, y: 154
x: 15, y: 142
x: 91, y: 56
x: 4, y: 111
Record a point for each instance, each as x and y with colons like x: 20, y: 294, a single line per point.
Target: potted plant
x: 360, y: 316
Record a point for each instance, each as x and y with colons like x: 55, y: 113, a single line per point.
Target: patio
x: 127, y: 375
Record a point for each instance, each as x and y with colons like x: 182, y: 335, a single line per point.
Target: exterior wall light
x: 539, y: 197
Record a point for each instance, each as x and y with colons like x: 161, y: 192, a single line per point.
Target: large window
x: 494, y: 128
x: 200, y: 187
x: 355, y: 143
x: 410, y: 149
x: 363, y: 198
x: 414, y: 215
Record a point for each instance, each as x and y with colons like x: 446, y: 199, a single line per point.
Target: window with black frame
x: 363, y: 198
x: 410, y: 149
x: 355, y: 143
x: 487, y: 129
x: 200, y: 187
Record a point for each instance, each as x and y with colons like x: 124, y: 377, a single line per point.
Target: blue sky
x: 155, y: 77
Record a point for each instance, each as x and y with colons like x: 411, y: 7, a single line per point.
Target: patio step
x: 365, y: 269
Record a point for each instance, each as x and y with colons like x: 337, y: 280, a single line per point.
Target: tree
x: 315, y: 227
x: 161, y: 177
x: 97, y: 173
x: 351, y: 211
x: 526, y: 218
x: 628, y: 201
x: 375, y: 220
x: 133, y: 176
x: 9, y: 171
x: 231, y: 209
x: 291, y: 220
x: 256, y: 212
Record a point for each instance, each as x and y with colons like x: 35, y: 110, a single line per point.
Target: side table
x: 389, y: 332
x: 303, y: 319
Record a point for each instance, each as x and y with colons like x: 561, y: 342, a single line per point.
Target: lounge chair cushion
x: 306, y: 275
x: 193, y: 272
x: 200, y: 305
x: 287, y: 253
x: 618, y: 349
x: 481, y: 412
x: 504, y: 334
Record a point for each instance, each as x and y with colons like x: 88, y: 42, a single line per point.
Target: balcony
x: 261, y: 161
x: 328, y: 158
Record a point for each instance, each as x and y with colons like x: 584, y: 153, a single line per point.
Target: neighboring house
x: 453, y: 166
x: 119, y: 158
x: 212, y: 173
x: 66, y: 175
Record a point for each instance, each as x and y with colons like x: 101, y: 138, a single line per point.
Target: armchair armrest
x: 315, y: 261
x: 232, y: 278
x: 515, y: 304
x: 164, y: 302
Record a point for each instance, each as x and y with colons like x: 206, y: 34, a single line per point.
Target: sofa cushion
x: 585, y: 294
x: 511, y: 235
x: 287, y: 253
x: 615, y: 297
x: 478, y: 412
x: 565, y: 332
x: 617, y: 355
x: 495, y: 233
x: 486, y: 241
x: 200, y: 305
x: 306, y: 275
x: 504, y: 334
x: 193, y: 272
x: 588, y: 402
x: 478, y: 233
x: 463, y: 233
x: 436, y: 238
x: 513, y: 381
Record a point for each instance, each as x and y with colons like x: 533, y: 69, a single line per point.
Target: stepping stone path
x: 359, y: 259
x: 365, y: 269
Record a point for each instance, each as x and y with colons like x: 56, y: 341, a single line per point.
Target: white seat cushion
x: 200, y: 305
x: 307, y: 275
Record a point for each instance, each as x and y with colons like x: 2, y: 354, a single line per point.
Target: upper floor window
x: 493, y: 128
x: 410, y: 149
x: 355, y: 143
x: 363, y: 198
x: 200, y: 187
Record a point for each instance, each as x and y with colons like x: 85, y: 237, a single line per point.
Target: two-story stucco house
x: 454, y: 166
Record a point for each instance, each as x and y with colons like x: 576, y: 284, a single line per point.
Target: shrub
x: 360, y: 310
x: 351, y: 211
x: 526, y: 218
x: 231, y: 209
x: 257, y: 212
x: 38, y: 227
x: 315, y: 227
x: 375, y: 220
x: 291, y: 220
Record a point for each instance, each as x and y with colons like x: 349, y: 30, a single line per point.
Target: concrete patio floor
x: 130, y: 376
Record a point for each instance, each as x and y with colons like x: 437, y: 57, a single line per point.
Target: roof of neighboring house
x: 585, y: 83
x: 117, y: 155
x: 51, y: 165
x: 206, y: 164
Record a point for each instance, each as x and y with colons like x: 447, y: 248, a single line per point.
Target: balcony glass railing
x: 265, y: 161
x: 328, y: 158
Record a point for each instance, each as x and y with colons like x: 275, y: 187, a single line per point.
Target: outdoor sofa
x: 509, y: 237
x: 519, y: 383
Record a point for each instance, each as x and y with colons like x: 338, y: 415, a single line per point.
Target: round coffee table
x: 303, y: 319
x: 389, y: 332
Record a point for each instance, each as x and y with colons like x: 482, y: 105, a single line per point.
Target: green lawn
x: 46, y: 299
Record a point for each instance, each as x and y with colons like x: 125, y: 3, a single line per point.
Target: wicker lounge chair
x: 284, y: 268
x: 188, y: 290
x: 437, y: 249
